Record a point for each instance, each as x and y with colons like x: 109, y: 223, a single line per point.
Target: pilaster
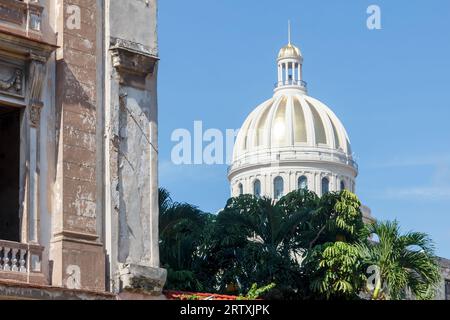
x: 133, y: 169
x: 77, y: 249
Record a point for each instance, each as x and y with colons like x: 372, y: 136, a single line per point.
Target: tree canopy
x: 310, y: 247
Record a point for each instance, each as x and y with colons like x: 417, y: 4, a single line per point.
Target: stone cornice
x: 133, y: 47
x: 25, y: 58
x: 233, y: 171
x: 23, y: 47
x: 132, y: 58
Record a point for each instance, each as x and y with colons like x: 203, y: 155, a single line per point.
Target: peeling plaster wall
x: 47, y: 163
x: 48, y: 138
x: 131, y: 209
x: 134, y: 169
x: 97, y: 155
x: 143, y: 30
x: 78, y: 220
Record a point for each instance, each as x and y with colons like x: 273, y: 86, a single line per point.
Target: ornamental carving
x: 13, y: 82
x: 35, y: 113
x: 37, y: 75
x: 132, y: 58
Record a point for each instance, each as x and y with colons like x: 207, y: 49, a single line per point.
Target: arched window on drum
x: 257, y: 188
x: 325, y: 185
x: 302, y: 183
x: 240, y: 189
x: 278, y: 187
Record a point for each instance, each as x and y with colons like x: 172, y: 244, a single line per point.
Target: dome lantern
x: 290, y: 63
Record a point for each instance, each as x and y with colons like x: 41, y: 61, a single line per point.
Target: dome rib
x: 280, y: 124
x: 260, y: 128
x: 300, y: 135
x: 310, y: 132
x: 337, y: 143
x: 256, y: 116
x: 319, y: 126
x: 291, y: 119
x: 246, y: 131
x: 344, y: 138
x: 270, y: 120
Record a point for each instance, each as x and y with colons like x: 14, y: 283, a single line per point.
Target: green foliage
x: 189, y: 297
x: 332, y: 262
x: 182, y: 280
x: 405, y: 262
x: 182, y: 237
x: 255, y: 243
x: 335, y: 270
x: 255, y: 292
x: 311, y: 247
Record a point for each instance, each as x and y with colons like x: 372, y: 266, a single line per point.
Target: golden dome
x: 289, y: 51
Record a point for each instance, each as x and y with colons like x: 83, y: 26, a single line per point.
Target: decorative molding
x: 36, y: 76
x: 13, y: 11
x: 132, y: 58
x: 35, y: 113
x: 23, y: 48
x: 26, y: 16
x: 78, y: 237
x: 38, y: 57
x: 14, y: 82
x: 133, y: 46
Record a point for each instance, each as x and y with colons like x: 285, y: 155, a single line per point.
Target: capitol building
x: 292, y: 141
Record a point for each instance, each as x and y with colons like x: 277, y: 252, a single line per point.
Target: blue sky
x: 390, y: 88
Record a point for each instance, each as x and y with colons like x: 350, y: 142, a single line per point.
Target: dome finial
x: 289, y: 31
x: 289, y: 63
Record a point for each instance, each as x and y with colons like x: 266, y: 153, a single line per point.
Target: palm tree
x: 181, y: 227
x: 255, y: 242
x: 291, y: 242
x: 402, y: 262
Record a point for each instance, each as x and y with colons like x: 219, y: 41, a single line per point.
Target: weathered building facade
x: 79, y: 149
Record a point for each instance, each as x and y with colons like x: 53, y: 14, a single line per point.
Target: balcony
x: 21, y: 17
x: 291, y: 154
x: 291, y: 82
x: 21, y: 262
